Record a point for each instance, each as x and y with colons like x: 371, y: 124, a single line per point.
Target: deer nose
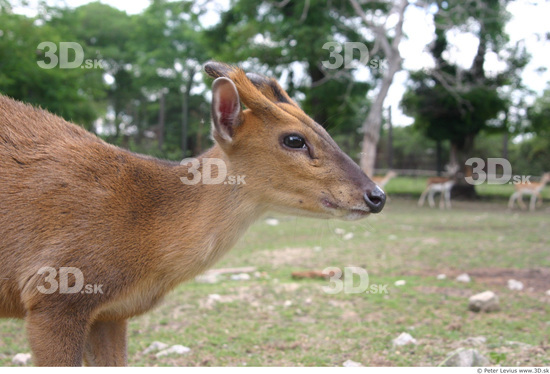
x: 375, y: 199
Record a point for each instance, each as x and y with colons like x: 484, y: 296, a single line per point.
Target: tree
x: 169, y: 52
x: 452, y: 104
x: 388, y: 42
x: 539, y: 115
x: 535, y: 150
x: 70, y: 93
x: 105, y: 34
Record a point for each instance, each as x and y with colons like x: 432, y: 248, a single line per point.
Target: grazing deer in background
x: 382, y: 181
x: 440, y: 185
x: 129, y: 224
x: 531, y: 188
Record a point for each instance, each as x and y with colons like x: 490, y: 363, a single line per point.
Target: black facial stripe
x: 261, y: 82
x: 278, y: 94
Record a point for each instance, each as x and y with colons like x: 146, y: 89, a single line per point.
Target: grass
x: 273, y: 320
x: 413, y: 186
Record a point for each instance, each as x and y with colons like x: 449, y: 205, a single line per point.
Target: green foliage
x: 159, y: 52
x: 449, y: 104
x: 497, y: 357
x: 531, y: 156
x: 411, y: 149
x: 281, y: 35
x: 70, y: 93
x: 539, y: 115
x: 444, y: 115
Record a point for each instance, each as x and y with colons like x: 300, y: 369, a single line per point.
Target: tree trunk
x: 439, y: 157
x: 139, y: 125
x: 459, y: 155
x: 390, y: 140
x: 453, y: 156
x: 505, y: 145
x: 390, y: 47
x: 198, y: 142
x: 185, y: 111
x: 161, y: 120
x: 505, y: 136
x: 371, y: 126
x: 320, y: 114
x: 116, y: 123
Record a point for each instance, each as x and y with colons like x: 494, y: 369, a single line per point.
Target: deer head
x: 291, y: 163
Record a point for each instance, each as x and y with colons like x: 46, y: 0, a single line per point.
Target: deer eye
x: 294, y: 141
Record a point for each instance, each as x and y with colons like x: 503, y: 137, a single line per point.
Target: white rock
x: 21, y: 359
x: 339, y: 231
x: 475, y: 340
x: 207, y: 278
x: 400, y: 283
x: 155, y: 346
x: 484, y: 302
x: 352, y: 364
x: 404, y: 339
x: 548, y: 293
x: 287, y: 303
x: 465, y: 278
x: 263, y: 274
x: 515, y: 285
x: 308, y: 300
x: 240, y: 277
x: 441, y: 276
x: 175, y: 349
x: 211, y: 301
x: 465, y: 358
x: 520, y: 344
x: 272, y: 221
x: 348, y: 236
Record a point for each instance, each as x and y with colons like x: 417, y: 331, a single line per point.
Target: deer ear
x: 226, y: 109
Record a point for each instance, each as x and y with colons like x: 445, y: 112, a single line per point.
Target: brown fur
x: 128, y: 223
x: 312, y: 274
x: 437, y: 180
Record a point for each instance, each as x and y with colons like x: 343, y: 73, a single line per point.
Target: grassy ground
x: 275, y: 320
x: 414, y: 186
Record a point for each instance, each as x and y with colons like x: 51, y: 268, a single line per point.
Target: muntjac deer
x: 442, y: 185
x: 126, y: 222
x: 438, y: 185
x: 532, y: 188
x: 382, y: 181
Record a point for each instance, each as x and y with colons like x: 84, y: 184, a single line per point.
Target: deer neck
x: 200, y: 222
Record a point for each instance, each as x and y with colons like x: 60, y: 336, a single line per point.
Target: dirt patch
x: 286, y: 256
x: 534, y: 280
x: 245, y: 294
x: 447, y: 291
